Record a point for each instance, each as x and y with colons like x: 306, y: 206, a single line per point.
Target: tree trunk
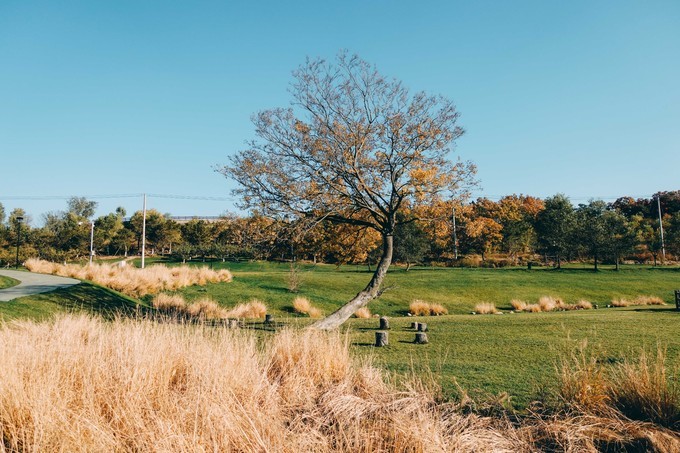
x: 408, y: 266
x: 595, y: 256
x: 617, y: 262
x: 559, y: 261
x: 372, y: 290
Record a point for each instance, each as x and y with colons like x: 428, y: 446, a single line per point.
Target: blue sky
x: 579, y: 97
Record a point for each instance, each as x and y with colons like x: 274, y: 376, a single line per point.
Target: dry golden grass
x: 486, y: 308
x: 303, y: 306
x: 131, y: 280
x: 363, y: 313
x: 548, y: 303
x: 438, y: 310
x: 79, y: 384
x: 170, y: 303
x: 631, y: 406
x: 206, y: 308
x: 419, y: 307
x: 648, y: 300
x: 620, y: 302
x: 639, y: 300
x: 583, y: 305
x: 533, y: 308
x: 518, y: 305
x: 253, y: 309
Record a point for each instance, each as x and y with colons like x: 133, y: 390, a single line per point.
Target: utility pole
x: 143, y: 230
x: 455, y: 239
x: 663, y: 245
x: 18, y: 219
x: 91, y: 241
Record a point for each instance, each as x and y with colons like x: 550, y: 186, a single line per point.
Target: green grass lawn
x: 7, y: 282
x: 517, y: 353
x: 457, y: 289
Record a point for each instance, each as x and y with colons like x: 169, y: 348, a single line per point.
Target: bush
x: 486, y: 308
x: 363, y: 313
x: 419, y: 307
x: 303, y: 306
x: 131, y: 280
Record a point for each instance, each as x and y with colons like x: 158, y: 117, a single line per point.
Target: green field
x: 484, y: 354
x: 457, y: 289
x: 6, y: 282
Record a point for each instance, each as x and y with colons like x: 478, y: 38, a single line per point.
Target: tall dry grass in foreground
x: 133, y: 281
x: 79, y: 384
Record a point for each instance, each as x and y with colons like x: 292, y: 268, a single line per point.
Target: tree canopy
x: 354, y: 147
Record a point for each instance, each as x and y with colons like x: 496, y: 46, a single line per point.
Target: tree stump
x: 421, y: 338
x: 384, y: 323
x: 381, y: 339
x: 422, y: 327
x: 268, y: 319
x: 414, y: 325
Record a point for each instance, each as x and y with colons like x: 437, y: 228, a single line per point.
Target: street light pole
x: 19, y: 219
x: 91, y: 241
x: 455, y: 239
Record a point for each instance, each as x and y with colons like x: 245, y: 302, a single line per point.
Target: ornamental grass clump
x: 303, y: 306
x: 363, y: 313
x: 77, y: 383
x: 486, y: 308
x: 421, y: 308
x: 133, y: 281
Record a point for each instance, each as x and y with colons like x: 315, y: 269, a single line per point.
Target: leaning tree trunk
x: 372, y: 290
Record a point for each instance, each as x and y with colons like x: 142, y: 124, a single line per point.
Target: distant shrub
x: 363, y: 313
x: 303, y: 306
x: 486, y: 308
x: 649, y: 300
x: 533, y: 308
x: 548, y: 303
x: 133, y: 281
x: 207, y: 308
x: 621, y: 302
x: 518, y: 305
x: 169, y: 302
x: 583, y: 305
x: 421, y: 308
x: 470, y: 261
x: 438, y: 310
x: 253, y: 309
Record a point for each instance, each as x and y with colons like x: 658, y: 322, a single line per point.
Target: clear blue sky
x: 118, y: 97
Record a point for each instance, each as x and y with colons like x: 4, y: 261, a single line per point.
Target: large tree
x: 354, y: 147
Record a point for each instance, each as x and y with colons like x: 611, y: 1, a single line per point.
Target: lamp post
x: 19, y: 219
x: 91, y: 239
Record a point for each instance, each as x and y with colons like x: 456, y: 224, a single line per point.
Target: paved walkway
x: 33, y: 284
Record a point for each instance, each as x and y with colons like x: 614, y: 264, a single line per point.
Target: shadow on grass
x: 666, y: 309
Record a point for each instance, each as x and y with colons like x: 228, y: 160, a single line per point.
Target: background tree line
x: 513, y: 230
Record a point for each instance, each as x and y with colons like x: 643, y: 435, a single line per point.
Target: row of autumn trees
x: 512, y: 230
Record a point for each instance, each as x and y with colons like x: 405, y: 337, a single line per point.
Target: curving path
x: 31, y: 283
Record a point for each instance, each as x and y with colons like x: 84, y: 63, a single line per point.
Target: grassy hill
x: 86, y: 296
